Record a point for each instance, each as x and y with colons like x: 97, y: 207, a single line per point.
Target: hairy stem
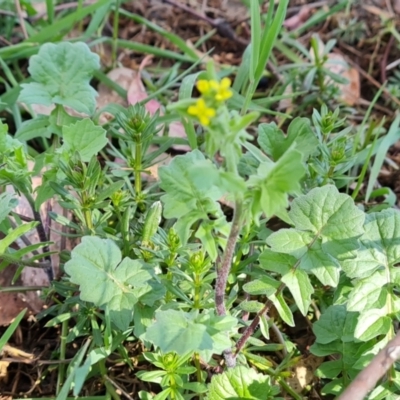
x: 223, y: 272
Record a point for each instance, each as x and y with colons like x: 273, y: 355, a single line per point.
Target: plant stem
x: 42, y: 234
x: 138, y: 168
x: 63, y: 348
x: 24, y: 263
x: 224, y: 269
x: 252, y: 327
x: 198, y: 367
x: 115, y: 34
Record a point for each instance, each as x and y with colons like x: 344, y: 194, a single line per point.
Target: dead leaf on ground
x: 298, y: 19
x: 14, y: 354
x: 303, y: 373
x: 350, y: 92
x: 123, y: 77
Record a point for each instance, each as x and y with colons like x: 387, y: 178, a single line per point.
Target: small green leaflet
x: 273, y: 142
x: 84, y: 137
x: 177, y: 331
x: 299, y: 285
x: 104, y: 279
x: 241, y: 383
x: 187, y: 332
x: 275, y: 181
x: 61, y: 73
x: 375, y: 270
x: 7, y: 203
x: 327, y: 228
x: 191, y: 186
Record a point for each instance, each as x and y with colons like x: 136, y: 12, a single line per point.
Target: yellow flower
x: 219, y: 90
x: 203, y: 86
x: 223, y: 91
x: 202, y: 112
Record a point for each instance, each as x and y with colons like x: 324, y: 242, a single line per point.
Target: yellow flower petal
x: 225, y: 83
x: 203, y: 86
x: 202, y: 111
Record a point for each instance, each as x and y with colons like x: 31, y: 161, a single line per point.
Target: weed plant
x: 161, y: 265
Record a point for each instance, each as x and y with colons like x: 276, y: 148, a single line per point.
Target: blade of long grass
x: 17, y: 51
x: 62, y: 395
x: 96, y: 20
x: 11, y: 329
x: 256, y: 32
x: 50, y: 11
x: 176, y: 40
x: 242, y: 75
x: 147, y: 49
x: 318, y: 17
x: 51, y: 32
x: 391, y: 136
x: 103, y: 78
x: 185, y: 92
x: 269, y: 36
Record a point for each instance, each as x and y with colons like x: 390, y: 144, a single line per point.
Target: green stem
x: 109, y: 387
x: 249, y: 95
x: 87, y: 212
x: 24, y: 263
x: 115, y: 34
x: 63, y: 350
x: 138, y: 168
x: 197, y: 289
x: 198, y: 371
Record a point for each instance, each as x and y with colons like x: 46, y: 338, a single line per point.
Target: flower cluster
x: 213, y: 93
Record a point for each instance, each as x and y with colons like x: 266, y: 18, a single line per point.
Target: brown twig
x: 21, y: 19
x: 385, y: 59
x: 369, y: 376
x: 223, y: 272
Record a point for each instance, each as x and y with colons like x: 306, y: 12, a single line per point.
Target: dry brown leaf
x: 298, y: 19
x: 351, y: 91
x: 4, y: 374
x: 396, y: 6
x: 123, y: 77
x: 380, y: 12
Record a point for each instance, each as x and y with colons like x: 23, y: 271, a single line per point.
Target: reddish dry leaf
x: 396, y: 6
x: 351, y: 91
x: 298, y: 19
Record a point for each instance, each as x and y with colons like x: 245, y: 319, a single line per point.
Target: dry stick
x: 385, y: 59
x: 253, y: 326
x: 223, y: 272
x: 369, y: 376
x: 21, y: 19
